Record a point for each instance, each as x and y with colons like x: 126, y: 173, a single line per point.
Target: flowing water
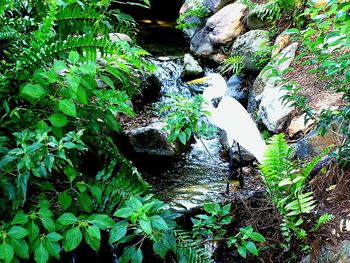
x: 200, y: 175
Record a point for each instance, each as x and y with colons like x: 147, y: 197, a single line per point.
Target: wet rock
x: 272, y: 111
x: 236, y: 90
x: 313, y: 144
x: 249, y: 45
x: 255, y: 22
x: 150, y: 88
x: 192, y: 68
x: 213, y: 41
x: 152, y: 140
x: 298, y: 126
x: 115, y: 37
x: 337, y: 254
x: 263, y: 81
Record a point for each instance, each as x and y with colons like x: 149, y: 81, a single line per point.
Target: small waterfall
x: 169, y: 74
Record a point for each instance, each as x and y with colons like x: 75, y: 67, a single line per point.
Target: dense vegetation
x: 64, y: 184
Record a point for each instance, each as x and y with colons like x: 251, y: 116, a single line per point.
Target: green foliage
x: 63, y: 84
x: 214, y: 223
x: 324, y: 42
x: 285, y: 182
x: 232, y: 65
x: 196, y: 9
x: 183, y: 118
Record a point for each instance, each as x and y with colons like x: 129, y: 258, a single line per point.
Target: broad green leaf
x: 72, y: 239
x: 81, y: 96
x: 88, y: 68
x: 65, y: 200
x: 257, y: 237
x: 33, y: 230
x: 159, y: 223
x: 41, y: 255
x: 242, y: 252
x: 35, y: 91
x: 59, y: 65
x: 73, y: 83
x: 102, y: 221
x: 70, y: 172
x: 67, y: 107
x: 93, y: 237
x: 20, y: 248
x: 137, y: 256
x: 73, y: 57
x: 250, y: 246
x: 107, y: 80
x: 209, y: 208
x: 48, y: 223
x: 20, y: 219
x: 85, y: 202
x: 97, y: 193
x: 182, y: 138
x: 52, y: 248
x: 22, y: 182
x: 51, y: 76
x: 6, y: 252
x: 58, y: 120
x: 146, y: 226
x: 54, y: 237
x: 118, y: 231
x: 17, y: 232
x: 67, y: 219
x: 127, y: 254
x: 124, y: 212
x: 45, y: 212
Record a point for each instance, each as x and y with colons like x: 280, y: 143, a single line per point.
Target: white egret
x: 232, y: 117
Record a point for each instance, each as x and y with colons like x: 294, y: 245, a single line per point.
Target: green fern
x: 187, y: 252
x: 196, y: 8
x: 286, y: 185
x: 232, y: 65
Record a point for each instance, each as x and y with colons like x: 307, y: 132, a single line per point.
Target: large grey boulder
x: 339, y: 253
x: 191, y: 68
x: 152, y: 140
x: 249, y: 45
x: 272, y: 111
x: 214, y: 40
x: 264, y: 81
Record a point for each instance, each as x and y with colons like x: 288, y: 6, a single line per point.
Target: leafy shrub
x: 63, y: 84
x: 183, y: 118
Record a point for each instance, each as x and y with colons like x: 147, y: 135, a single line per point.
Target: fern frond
x: 233, y: 65
x: 303, y: 203
x: 196, y: 8
x: 187, y: 252
x: 270, y: 10
x: 87, y: 44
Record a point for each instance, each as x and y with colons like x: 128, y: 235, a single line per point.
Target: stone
x: 263, y: 81
x: 215, y: 39
x: 191, y: 68
x: 281, y: 41
x: 313, y: 144
x: 272, y: 111
x: 298, y: 126
x: 152, y: 140
x: 249, y: 45
x: 340, y: 253
x: 215, y: 5
x: 115, y: 37
x: 236, y: 90
x: 226, y: 24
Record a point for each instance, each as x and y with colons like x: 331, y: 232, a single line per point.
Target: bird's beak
x: 200, y: 80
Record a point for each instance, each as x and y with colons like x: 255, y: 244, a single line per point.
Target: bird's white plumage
x: 232, y: 117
